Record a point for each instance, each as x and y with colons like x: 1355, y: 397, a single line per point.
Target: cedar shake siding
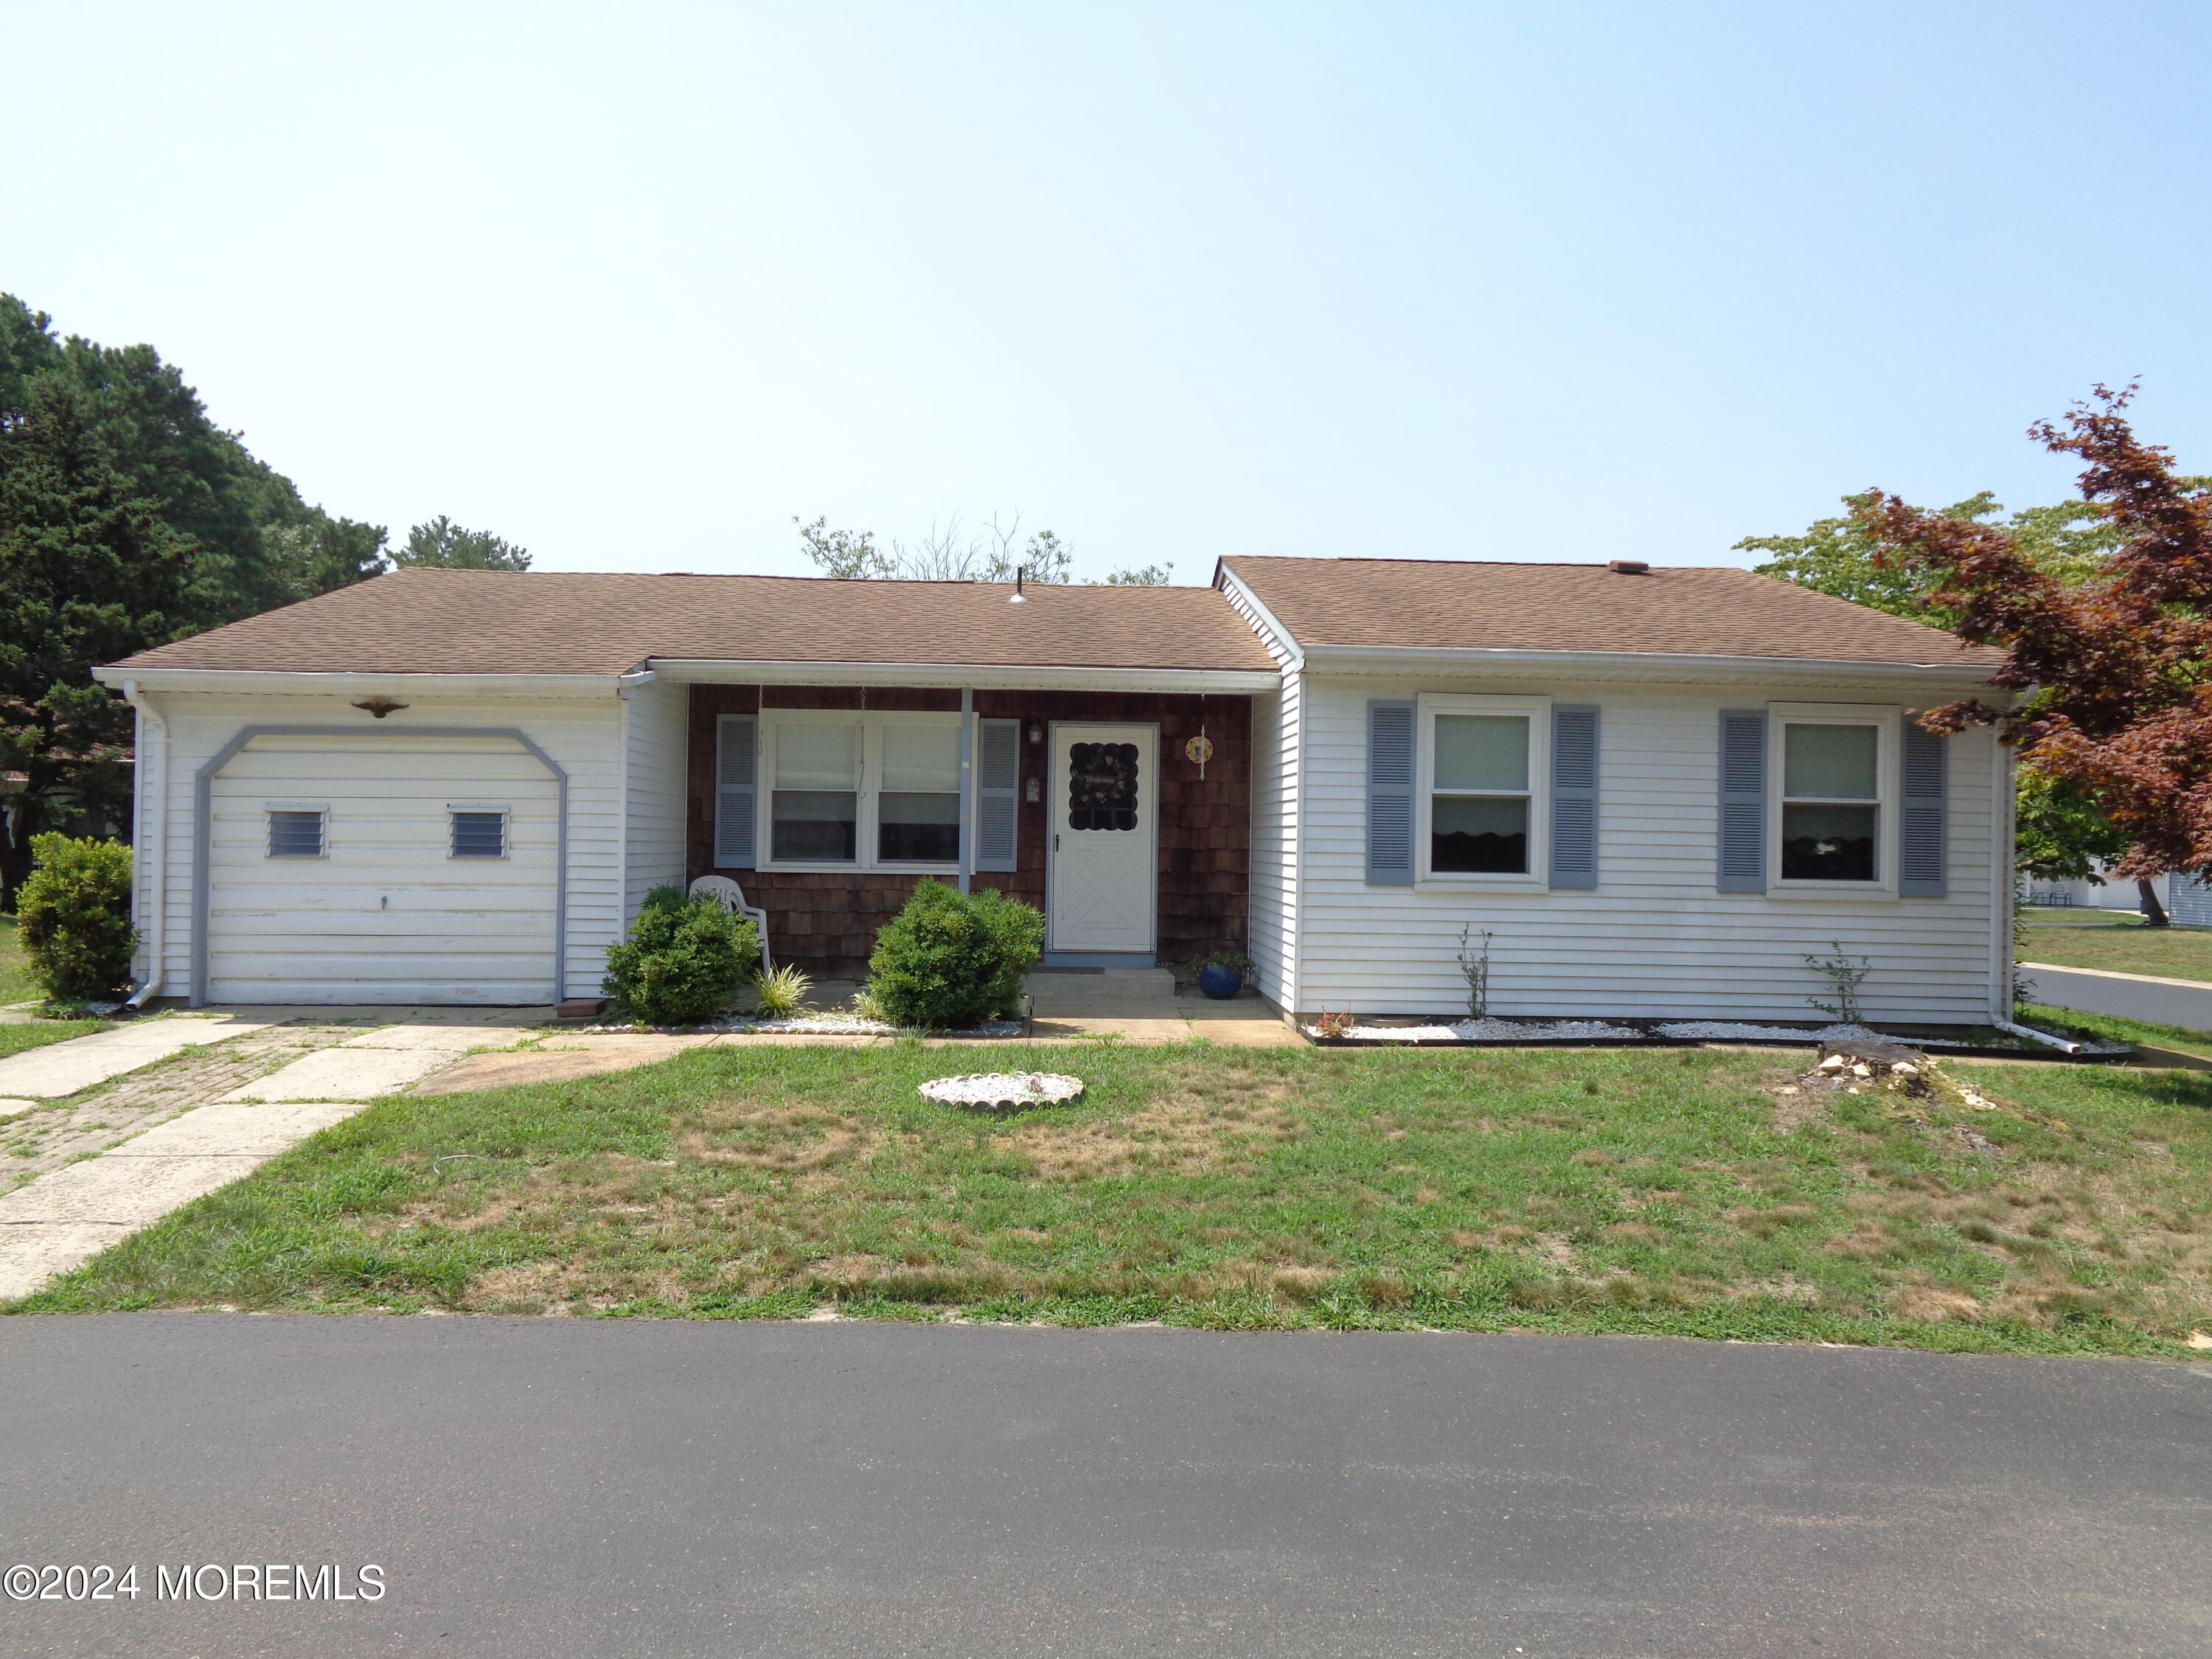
x: 826, y: 922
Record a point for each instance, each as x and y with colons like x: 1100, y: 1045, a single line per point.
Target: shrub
x: 781, y: 994
x: 950, y: 960
x: 683, y: 960
x: 74, y: 917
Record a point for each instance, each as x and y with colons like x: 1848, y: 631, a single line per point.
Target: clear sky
x: 635, y: 284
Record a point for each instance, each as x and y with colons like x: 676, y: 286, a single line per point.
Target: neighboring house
x: 1656, y: 791
x: 2187, y: 899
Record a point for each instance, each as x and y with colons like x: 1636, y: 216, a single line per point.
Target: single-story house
x: 1657, y: 791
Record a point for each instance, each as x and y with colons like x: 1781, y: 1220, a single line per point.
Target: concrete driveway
x: 550, y: 1488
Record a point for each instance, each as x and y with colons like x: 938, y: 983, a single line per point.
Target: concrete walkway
x: 68, y: 1215
x: 64, y: 1068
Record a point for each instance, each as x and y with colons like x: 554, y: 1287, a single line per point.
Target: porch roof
x: 551, y: 622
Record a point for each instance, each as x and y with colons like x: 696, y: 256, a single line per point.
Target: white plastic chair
x: 731, y: 896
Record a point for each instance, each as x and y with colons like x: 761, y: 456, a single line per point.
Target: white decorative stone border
x: 1003, y: 1089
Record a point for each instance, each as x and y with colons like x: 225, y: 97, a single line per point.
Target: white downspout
x: 150, y: 831
x: 2004, y: 876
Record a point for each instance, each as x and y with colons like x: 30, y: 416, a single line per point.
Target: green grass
x: 2117, y: 943
x: 2124, y: 1030
x: 14, y: 1039
x: 1667, y: 1192
x: 14, y: 981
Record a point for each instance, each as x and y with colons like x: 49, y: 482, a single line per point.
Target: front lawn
x: 2117, y: 943
x: 1674, y: 1191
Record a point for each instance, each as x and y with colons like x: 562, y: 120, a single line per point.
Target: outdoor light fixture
x: 1036, y: 732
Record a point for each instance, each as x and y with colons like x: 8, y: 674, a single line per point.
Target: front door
x: 1103, y: 858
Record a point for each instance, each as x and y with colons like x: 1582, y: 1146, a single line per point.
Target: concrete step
x: 1114, y: 985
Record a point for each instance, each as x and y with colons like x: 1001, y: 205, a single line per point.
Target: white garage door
x: 382, y: 869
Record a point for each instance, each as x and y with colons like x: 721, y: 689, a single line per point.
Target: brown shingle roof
x: 483, y: 621
x: 1703, y: 611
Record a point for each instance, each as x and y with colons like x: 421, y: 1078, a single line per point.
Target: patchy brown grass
x: 1674, y: 1191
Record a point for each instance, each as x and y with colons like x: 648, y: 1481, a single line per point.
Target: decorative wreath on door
x: 1101, y: 785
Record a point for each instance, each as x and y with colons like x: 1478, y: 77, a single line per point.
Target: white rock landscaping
x: 1004, y: 1090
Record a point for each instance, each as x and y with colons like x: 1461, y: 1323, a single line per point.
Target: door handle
x: 1056, y: 840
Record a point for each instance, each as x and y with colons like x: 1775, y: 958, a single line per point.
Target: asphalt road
x: 542, y: 1488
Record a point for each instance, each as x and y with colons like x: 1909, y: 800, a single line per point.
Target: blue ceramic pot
x: 1219, y: 982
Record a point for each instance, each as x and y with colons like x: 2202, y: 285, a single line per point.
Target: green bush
x: 950, y: 960
x: 74, y: 917
x: 683, y: 960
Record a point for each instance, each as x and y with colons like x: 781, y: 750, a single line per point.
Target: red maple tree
x: 2111, y: 674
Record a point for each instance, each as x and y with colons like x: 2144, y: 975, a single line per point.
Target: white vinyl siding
x: 1655, y: 940
x: 655, y: 747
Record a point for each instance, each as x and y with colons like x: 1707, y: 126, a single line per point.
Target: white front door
x: 1104, y: 857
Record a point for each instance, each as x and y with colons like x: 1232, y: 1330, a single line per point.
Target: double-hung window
x: 1480, y: 815
x: 1833, y: 824
x: 862, y: 792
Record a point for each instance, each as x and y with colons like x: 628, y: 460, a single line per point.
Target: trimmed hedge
x: 951, y: 960
x: 73, y: 918
x: 683, y: 961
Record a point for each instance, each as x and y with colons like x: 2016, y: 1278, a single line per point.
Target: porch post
x: 967, y: 787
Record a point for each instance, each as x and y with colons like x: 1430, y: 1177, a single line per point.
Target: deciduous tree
x: 2112, y: 674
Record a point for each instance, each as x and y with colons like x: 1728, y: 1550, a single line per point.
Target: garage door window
x: 296, y: 832
x: 479, y: 834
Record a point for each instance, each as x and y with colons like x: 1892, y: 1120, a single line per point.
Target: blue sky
x: 634, y: 285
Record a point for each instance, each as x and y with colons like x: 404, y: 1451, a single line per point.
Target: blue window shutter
x: 735, y: 770
x: 1389, y: 793
x: 997, y: 793
x: 1574, y: 796
x: 1921, y: 810
x: 1742, y: 852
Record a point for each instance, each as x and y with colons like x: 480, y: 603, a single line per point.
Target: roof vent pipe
x: 1020, y: 597
x: 1629, y: 567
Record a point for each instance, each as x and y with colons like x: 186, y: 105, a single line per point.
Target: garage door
x: 382, y: 869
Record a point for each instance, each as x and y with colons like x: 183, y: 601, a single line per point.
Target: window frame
x: 868, y: 794
x: 268, y: 812
x: 505, y: 817
x: 1538, y: 712
x: 1884, y: 718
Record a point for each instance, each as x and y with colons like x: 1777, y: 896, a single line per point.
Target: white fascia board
x: 1229, y: 579
x: 256, y: 681
x: 1639, y: 665
x: 981, y: 676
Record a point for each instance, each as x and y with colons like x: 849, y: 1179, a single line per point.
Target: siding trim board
x: 204, y: 818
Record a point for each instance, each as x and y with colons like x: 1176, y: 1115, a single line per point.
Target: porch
x: 1123, y: 816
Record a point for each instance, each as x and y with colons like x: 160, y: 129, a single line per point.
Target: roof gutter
x: 981, y: 676
x: 1629, y: 665
x: 251, y: 680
